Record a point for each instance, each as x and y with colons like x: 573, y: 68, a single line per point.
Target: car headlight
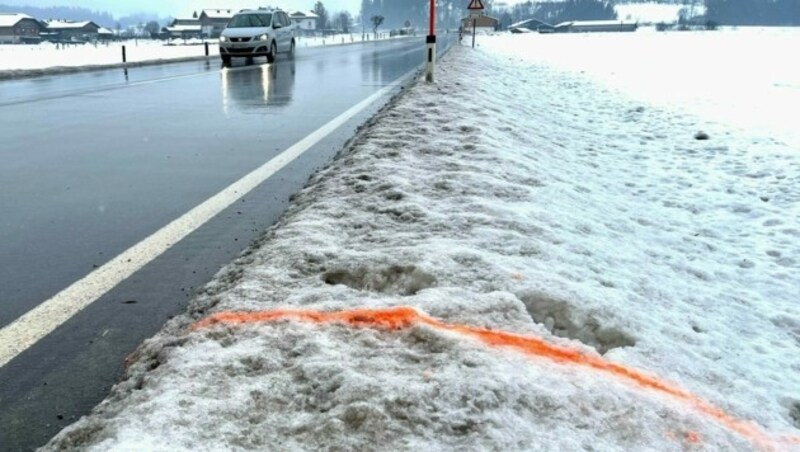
x: 262, y: 38
x: 223, y: 39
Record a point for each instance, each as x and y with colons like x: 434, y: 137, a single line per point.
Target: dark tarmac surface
x: 92, y: 163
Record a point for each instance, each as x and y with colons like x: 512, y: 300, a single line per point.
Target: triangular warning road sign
x: 475, y: 5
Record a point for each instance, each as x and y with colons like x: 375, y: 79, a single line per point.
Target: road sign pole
x: 430, y: 44
x: 475, y: 9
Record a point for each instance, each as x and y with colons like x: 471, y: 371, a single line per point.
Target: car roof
x: 258, y: 11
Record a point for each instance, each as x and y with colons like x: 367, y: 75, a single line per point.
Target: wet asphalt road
x: 92, y: 163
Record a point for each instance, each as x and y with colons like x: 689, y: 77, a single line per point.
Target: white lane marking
x: 37, y: 323
x: 163, y: 79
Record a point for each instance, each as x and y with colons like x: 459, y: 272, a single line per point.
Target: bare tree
x: 342, y: 21
x: 153, y: 28
x: 376, y: 22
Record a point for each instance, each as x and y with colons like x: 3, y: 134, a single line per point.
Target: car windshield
x: 250, y: 21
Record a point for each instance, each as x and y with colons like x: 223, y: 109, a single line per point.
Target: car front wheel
x: 226, y: 60
x: 273, y: 50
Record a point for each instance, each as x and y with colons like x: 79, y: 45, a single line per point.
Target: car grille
x: 241, y: 39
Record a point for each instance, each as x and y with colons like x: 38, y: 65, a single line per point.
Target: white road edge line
x: 40, y: 321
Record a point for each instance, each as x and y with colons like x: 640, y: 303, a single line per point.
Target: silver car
x: 254, y: 33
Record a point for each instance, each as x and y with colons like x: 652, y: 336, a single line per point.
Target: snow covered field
x: 743, y: 77
x: 521, y: 195
x: 19, y: 60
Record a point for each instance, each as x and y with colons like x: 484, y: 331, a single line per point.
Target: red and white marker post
x: 430, y: 65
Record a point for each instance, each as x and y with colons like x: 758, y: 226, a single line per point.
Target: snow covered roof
x: 303, y: 15
x: 589, y: 23
x: 185, y: 21
x: 219, y: 13
x: 11, y: 19
x: 179, y: 28
x: 105, y: 31
x: 527, y: 22
x: 68, y: 25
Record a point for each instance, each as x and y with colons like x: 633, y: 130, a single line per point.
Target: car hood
x: 245, y: 32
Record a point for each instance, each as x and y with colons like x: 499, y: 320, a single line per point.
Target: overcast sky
x: 185, y: 7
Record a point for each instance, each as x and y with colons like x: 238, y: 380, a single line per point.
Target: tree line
x: 555, y: 12
x: 450, y: 12
x: 753, y: 12
x: 103, y: 19
x: 397, y: 13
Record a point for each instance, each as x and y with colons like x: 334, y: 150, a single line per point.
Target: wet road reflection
x: 258, y: 86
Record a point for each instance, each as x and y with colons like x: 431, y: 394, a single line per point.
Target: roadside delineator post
x: 206, y: 46
x: 124, y: 55
x: 474, y: 30
x: 430, y: 64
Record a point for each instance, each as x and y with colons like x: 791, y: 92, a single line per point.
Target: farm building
x: 532, y: 25
x: 594, y: 26
x: 213, y: 21
x: 482, y: 24
x: 304, y: 21
x: 66, y: 30
x: 19, y: 29
x: 185, y: 28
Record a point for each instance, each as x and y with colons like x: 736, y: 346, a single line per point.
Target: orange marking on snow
x: 692, y: 437
x: 404, y: 317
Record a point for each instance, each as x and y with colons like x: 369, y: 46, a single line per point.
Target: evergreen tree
x: 322, y: 21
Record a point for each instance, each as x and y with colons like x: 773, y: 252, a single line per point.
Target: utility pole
x: 430, y: 66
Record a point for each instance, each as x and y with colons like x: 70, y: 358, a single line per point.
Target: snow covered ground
x: 743, y: 77
x: 520, y: 195
x: 20, y: 60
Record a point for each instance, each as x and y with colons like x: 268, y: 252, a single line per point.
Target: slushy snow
x: 518, y: 195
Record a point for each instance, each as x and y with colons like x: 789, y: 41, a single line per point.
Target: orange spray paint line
x: 404, y: 317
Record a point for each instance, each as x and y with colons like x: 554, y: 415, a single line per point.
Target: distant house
x: 483, y: 24
x: 304, y: 21
x: 213, y: 21
x: 19, y: 29
x: 186, y: 28
x: 105, y: 34
x: 67, y: 30
x: 594, y: 26
x: 531, y: 25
